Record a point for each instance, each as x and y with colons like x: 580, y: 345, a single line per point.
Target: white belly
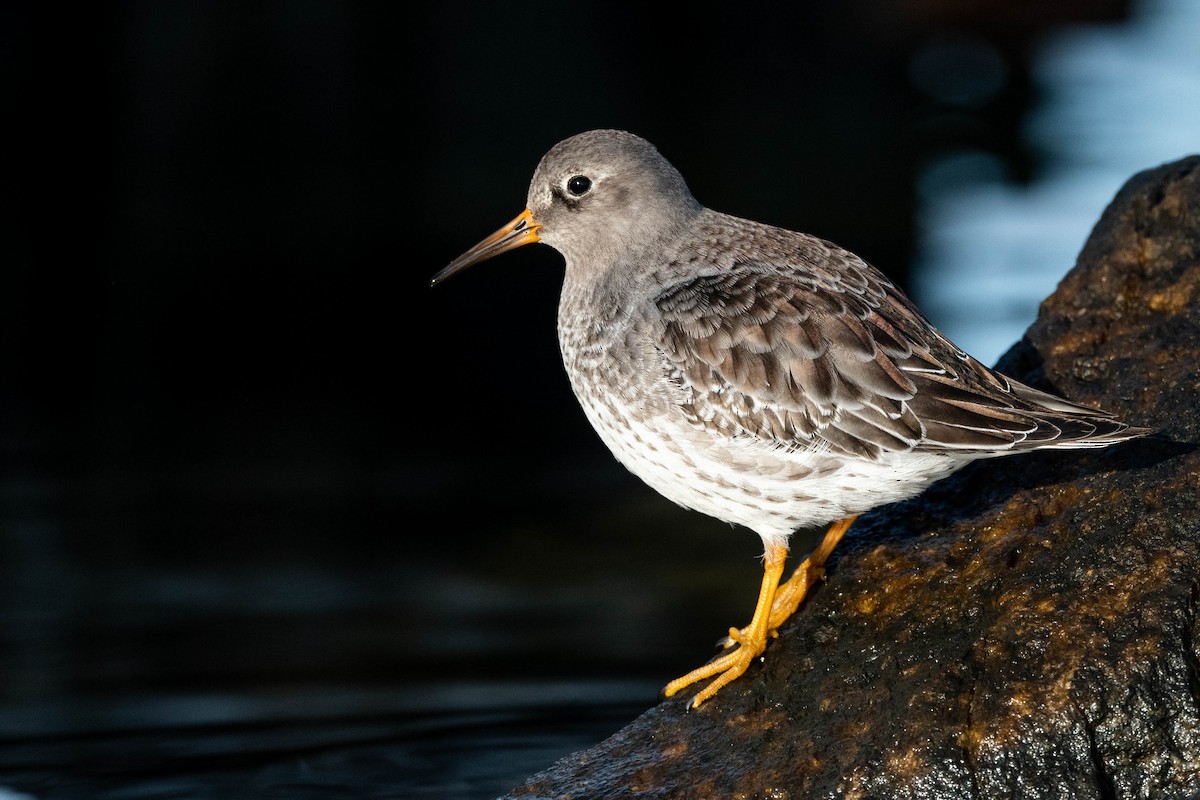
x: 746, y: 481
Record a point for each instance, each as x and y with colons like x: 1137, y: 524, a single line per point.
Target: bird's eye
x: 579, y: 185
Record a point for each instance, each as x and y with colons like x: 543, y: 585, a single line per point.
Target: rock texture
x: 1028, y: 628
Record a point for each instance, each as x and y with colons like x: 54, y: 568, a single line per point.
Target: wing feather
x: 805, y: 359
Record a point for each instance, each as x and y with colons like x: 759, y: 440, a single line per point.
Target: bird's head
x: 599, y: 198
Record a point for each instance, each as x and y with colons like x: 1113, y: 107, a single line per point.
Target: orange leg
x: 775, y: 604
x: 791, y: 594
x: 752, y: 639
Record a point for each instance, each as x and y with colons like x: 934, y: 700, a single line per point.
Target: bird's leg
x: 792, y: 592
x: 752, y: 639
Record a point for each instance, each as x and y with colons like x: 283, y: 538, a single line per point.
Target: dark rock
x: 1027, y: 628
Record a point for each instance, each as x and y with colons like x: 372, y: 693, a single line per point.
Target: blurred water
x: 139, y: 660
x: 461, y: 743
x: 291, y: 667
x: 1113, y: 100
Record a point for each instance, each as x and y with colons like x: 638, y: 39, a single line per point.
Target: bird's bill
x: 518, y: 233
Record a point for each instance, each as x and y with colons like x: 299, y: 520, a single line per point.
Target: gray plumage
x: 766, y: 377
x: 708, y: 329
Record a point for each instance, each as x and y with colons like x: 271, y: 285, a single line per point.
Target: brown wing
x: 810, y: 359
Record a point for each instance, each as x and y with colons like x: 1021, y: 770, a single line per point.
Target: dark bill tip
x: 518, y: 233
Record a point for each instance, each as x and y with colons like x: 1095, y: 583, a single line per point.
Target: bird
x: 759, y: 375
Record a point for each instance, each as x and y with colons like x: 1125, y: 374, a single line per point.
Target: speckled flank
x: 758, y: 375
x: 761, y: 376
x: 1028, y: 627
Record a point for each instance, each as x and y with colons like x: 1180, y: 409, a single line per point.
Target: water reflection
x: 1113, y: 100
x: 424, y: 742
x: 243, y: 671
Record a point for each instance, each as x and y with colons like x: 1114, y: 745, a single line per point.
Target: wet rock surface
x: 1028, y: 628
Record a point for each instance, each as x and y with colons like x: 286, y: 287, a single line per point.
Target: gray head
x: 598, y: 198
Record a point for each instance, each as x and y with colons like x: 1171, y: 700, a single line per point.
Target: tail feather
x: 1063, y: 424
x: 1060, y: 430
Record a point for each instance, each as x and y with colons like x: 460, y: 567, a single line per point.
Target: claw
x: 775, y: 604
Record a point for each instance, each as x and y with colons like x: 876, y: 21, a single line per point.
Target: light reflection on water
x: 461, y: 742
x: 327, y: 677
x: 1115, y: 100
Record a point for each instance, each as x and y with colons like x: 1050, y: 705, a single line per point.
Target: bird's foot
x: 788, y: 598
x: 752, y: 639
x: 726, y: 668
x: 791, y: 594
x: 736, y: 635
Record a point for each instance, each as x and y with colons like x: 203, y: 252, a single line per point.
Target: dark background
x: 248, y: 451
